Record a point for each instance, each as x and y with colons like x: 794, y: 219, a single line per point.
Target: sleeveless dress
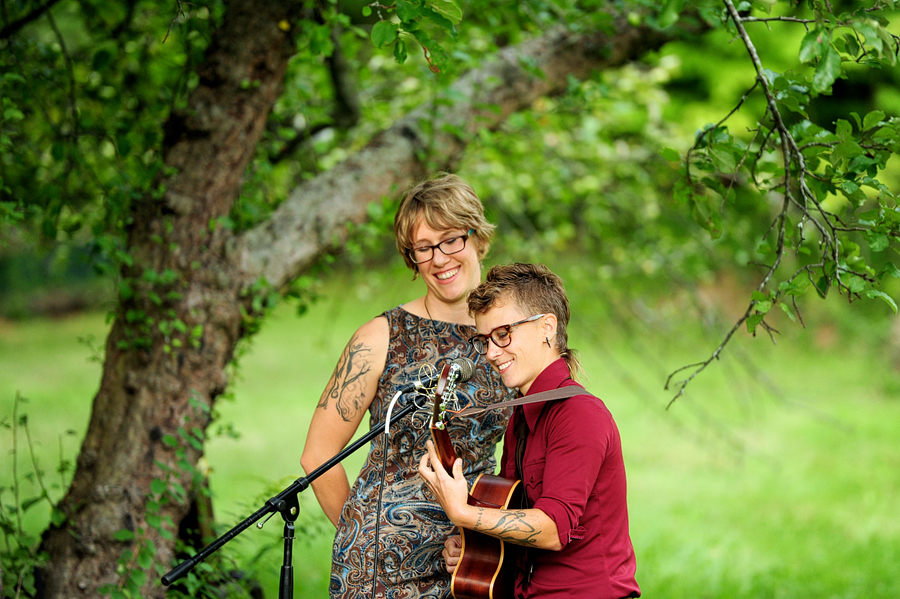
x: 412, y: 526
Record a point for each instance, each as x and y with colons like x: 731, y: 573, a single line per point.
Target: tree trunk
x: 190, y: 282
x: 178, y: 320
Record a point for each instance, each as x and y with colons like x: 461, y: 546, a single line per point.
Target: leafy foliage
x: 832, y: 212
x: 21, y: 553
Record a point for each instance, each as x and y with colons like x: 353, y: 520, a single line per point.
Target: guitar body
x: 487, y: 566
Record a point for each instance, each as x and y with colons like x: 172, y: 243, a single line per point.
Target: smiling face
x: 527, y: 354
x: 449, y: 278
x: 445, y: 203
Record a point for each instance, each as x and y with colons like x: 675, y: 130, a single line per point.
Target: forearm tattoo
x: 347, y: 386
x: 512, y: 527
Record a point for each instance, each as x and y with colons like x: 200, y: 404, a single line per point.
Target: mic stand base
x: 286, y: 584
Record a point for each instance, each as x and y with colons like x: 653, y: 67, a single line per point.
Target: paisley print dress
x: 389, y: 509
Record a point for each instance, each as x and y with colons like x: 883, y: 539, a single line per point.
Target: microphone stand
x: 287, y: 504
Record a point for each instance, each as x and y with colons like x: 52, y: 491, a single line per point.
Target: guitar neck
x: 444, y: 447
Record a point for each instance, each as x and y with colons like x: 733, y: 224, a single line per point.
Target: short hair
x: 446, y: 202
x: 535, y: 289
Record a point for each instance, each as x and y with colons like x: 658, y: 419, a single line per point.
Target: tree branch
x: 12, y: 28
x: 313, y: 219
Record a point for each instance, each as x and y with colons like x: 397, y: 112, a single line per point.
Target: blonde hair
x: 447, y: 202
x: 535, y: 289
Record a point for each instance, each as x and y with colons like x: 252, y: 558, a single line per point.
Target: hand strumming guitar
x: 531, y: 527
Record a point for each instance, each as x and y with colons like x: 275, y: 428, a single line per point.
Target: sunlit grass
x: 776, y: 476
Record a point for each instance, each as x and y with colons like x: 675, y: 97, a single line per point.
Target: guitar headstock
x: 443, y: 394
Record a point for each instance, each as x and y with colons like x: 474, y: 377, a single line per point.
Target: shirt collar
x: 553, y: 376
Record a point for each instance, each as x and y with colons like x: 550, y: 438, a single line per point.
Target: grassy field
x: 776, y: 476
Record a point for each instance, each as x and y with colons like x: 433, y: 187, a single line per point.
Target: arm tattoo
x: 347, y: 386
x: 512, y: 527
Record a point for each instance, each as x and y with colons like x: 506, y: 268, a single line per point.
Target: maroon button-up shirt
x: 574, y: 472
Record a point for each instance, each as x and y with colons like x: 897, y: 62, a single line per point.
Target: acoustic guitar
x: 487, y: 566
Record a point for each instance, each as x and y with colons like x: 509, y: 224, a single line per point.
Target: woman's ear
x: 548, y: 325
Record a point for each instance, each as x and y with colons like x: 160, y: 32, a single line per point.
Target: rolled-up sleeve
x: 575, y: 448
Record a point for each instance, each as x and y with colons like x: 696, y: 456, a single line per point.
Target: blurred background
x: 775, y: 473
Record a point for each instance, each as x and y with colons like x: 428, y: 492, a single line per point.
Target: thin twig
x: 18, y: 24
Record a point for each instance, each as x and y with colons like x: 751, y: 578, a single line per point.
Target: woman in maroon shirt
x: 575, y: 527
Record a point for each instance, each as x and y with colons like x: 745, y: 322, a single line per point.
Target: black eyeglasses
x: 453, y: 245
x: 500, y: 335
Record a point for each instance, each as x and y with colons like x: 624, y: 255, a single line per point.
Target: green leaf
x: 827, y: 71
x: 28, y: 503
x: 6, y: 77
x: 407, y: 12
x: 868, y: 32
x: 888, y: 41
x: 383, y: 33
x: 795, y: 287
x: 812, y: 46
x: 872, y: 119
x: 669, y: 14
x: 57, y: 517
x: 153, y: 521
x: 843, y: 129
x: 13, y: 114
x: 139, y: 577
x: 441, y: 21
x: 723, y: 158
x: 855, y: 284
x: 853, y: 192
x: 850, y: 45
x: 753, y: 322
x: 890, y: 269
x: 873, y: 293
x: 670, y: 155
x: 878, y: 242
x: 400, y: 54
x: 124, y: 535
x: 132, y: 586
x: 448, y: 9
x: 846, y: 150
x: 786, y: 308
x: 158, y: 486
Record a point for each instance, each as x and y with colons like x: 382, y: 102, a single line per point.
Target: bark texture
x: 177, y: 328
x: 156, y: 382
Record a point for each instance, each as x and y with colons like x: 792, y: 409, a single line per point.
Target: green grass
x: 776, y: 476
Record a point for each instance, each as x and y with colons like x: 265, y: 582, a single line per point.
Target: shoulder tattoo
x: 347, y: 387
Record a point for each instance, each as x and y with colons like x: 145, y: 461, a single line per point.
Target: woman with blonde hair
x: 390, y: 531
